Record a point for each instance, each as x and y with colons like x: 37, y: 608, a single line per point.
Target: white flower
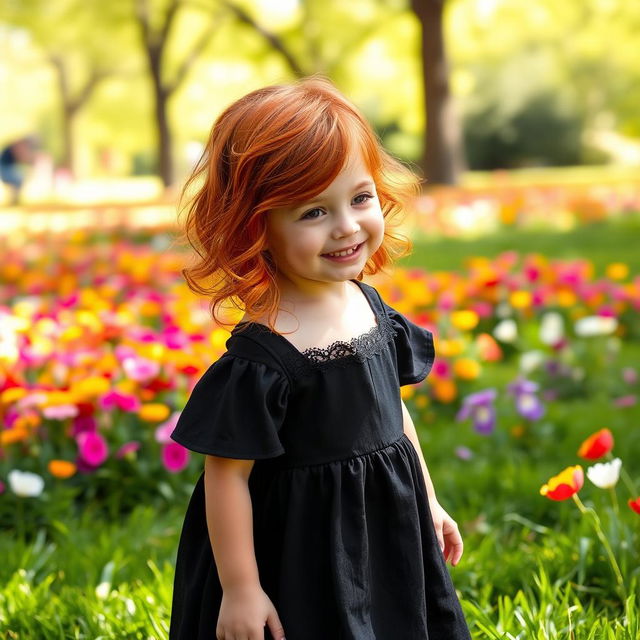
x: 551, y: 328
x: 506, y: 330
x: 605, y: 474
x: 531, y: 360
x: 25, y: 484
x: 595, y: 326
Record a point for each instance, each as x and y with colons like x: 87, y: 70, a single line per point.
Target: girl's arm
x: 446, y: 527
x: 245, y: 607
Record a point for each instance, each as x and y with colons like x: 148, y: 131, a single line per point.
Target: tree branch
x: 191, y: 57
x: 272, y: 39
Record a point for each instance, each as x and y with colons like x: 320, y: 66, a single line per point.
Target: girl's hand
x: 244, y: 612
x: 447, y: 533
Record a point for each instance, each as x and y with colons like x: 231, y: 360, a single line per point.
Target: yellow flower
x: 154, y: 412
x: 520, y: 299
x: 407, y: 391
x: 464, y: 319
x: 90, y: 387
x: 617, y: 271
x: 12, y: 395
x: 466, y: 368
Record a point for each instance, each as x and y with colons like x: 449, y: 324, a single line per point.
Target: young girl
x: 315, y: 516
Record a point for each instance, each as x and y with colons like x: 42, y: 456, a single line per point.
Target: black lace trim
x: 340, y: 353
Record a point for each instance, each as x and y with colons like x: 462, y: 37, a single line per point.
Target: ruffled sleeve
x: 415, y: 352
x: 235, y: 411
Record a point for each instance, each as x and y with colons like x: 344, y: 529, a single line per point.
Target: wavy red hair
x: 277, y: 147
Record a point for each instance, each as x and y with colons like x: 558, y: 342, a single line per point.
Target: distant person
x: 13, y: 160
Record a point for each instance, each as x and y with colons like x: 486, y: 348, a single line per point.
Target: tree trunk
x: 443, y: 156
x: 67, y: 160
x: 161, y: 98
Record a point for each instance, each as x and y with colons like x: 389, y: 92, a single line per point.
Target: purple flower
x: 479, y: 406
x: 528, y: 404
x: 464, y: 453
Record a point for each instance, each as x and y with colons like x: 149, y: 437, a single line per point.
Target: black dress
x: 343, y: 535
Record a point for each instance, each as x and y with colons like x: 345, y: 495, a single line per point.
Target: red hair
x: 276, y: 147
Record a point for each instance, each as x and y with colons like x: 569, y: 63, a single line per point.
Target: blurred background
x: 523, y: 120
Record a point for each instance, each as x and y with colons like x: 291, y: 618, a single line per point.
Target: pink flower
x: 128, y: 449
x: 60, y: 412
x: 163, y: 432
x: 174, y: 457
x: 625, y: 401
x: 140, y: 369
x: 93, y: 448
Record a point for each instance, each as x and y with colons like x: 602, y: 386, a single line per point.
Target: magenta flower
x: 84, y: 423
x: 123, y: 401
x: 93, y: 448
x: 174, y: 457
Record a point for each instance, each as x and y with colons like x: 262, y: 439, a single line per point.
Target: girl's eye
x: 312, y: 214
x: 362, y: 198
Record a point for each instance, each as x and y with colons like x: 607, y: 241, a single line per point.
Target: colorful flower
x: 596, y: 445
x: 174, y: 457
x: 92, y: 447
x: 635, y: 505
x: 154, y: 412
x: 61, y: 468
x: 565, y: 484
x: 479, y: 406
x: 605, y: 474
x: 128, y: 450
x: 528, y: 404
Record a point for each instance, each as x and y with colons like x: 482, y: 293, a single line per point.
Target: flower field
x: 532, y: 405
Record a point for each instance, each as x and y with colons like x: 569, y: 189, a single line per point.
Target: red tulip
x: 596, y: 445
x: 635, y: 505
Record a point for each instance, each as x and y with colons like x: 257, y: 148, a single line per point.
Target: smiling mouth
x: 343, y: 252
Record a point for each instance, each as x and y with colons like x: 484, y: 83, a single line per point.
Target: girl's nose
x: 346, y: 225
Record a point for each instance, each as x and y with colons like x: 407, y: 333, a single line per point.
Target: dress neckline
x: 339, y: 349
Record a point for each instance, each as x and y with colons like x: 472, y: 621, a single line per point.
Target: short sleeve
x: 415, y: 352
x: 235, y: 411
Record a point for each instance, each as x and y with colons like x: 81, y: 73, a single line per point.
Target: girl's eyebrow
x: 360, y: 185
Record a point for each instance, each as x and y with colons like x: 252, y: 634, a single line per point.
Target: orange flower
x: 635, y: 505
x: 466, y: 368
x: 565, y: 484
x: 11, y: 436
x: 61, y: 468
x: 596, y: 445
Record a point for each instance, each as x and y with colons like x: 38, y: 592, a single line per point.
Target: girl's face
x: 313, y: 244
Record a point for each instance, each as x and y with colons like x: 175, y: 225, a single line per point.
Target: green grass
x: 603, y: 243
